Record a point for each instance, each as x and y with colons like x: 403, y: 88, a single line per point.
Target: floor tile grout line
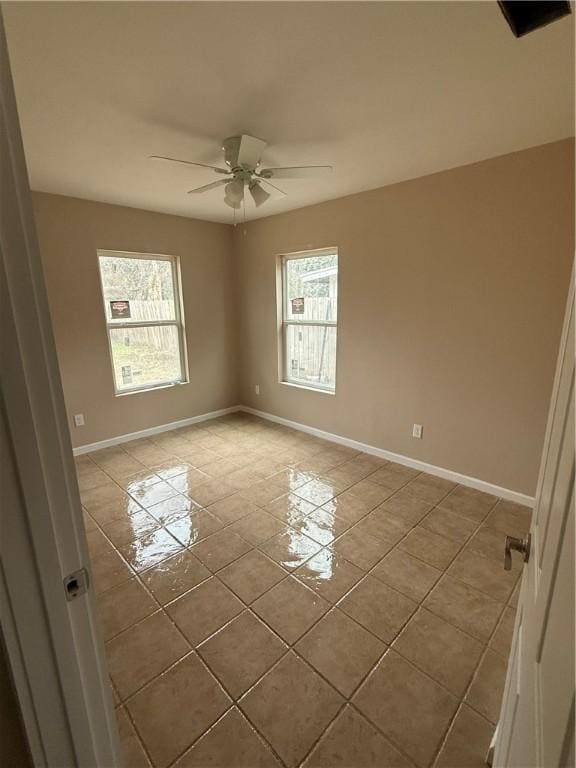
x: 291, y: 648
x: 134, y: 725
x: 291, y: 644
x: 503, y: 601
x: 447, y: 732
x: 484, y: 654
x: 459, y: 698
x: 186, y: 640
x: 348, y: 698
x: 421, y: 604
x: 188, y: 548
x: 349, y: 702
x: 225, y: 525
x: 136, y: 731
x: 124, y: 701
x: 233, y: 705
x: 212, y: 574
x: 480, y: 659
x: 222, y: 716
x: 314, y: 670
x: 357, y: 522
x: 194, y: 648
x: 292, y: 572
x: 445, y: 570
x: 248, y: 606
x: 467, y: 691
x: 138, y: 574
x: 496, y: 628
x: 459, y: 701
x: 322, y: 733
x: 428, y: 674
x: 145, y: 467
x: 483, y: 594
x: 236, y: 700
x: 287, y: 491
x: 192, y: 652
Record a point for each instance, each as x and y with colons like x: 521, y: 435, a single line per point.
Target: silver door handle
x: 519, y: 545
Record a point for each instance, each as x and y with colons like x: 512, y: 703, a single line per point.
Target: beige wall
x: 70, y: 231
x: 452, y: 291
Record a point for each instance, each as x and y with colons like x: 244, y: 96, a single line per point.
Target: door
x: 536, y: 726
x: 49, y: 627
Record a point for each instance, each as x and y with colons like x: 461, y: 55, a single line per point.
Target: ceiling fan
x: 242, y: 156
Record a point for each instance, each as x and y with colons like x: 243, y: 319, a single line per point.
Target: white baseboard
x: 422, y: 466
x: 89, y: 447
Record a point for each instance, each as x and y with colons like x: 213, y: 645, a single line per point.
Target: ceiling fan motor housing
x: 243, y: 151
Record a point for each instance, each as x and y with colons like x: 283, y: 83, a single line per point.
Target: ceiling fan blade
x: 250, y: 150
x: 277, y: 193
x: 207, y: 187
x: 259, y: 194
x: 189, y: 162
x: 295, y: 172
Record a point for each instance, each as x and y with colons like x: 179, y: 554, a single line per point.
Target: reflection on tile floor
x: 271, y: 599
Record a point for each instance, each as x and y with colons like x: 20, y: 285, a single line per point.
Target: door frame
x: 53, y: 644
x: 551, y: 452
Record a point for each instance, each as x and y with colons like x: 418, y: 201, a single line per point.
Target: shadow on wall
x: 13, y: 744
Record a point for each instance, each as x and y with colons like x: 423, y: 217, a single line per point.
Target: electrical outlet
x: 79, y: 420
x: 257, y: 388
x: 417, y: 430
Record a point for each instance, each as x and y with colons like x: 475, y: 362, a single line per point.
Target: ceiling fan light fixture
x: 235, y: 191
x: 236, y: 204
x: 259, y: 195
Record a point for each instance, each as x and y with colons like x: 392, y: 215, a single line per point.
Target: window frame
x: 178, y: 321
x: 284, y: 322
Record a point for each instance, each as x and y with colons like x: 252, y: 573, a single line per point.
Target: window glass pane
x: 144, y: 357
x: 311, y: 355
x: 312, y: 288
x: 137, y: 289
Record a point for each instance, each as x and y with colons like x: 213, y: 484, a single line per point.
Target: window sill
x: 153, y: 388
x: 308, y: 389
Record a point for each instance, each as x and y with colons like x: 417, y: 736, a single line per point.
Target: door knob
x: 519, y: 545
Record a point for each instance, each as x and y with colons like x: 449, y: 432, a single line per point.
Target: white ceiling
x: 383, y: 91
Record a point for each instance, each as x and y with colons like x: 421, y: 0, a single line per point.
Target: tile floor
x: 271, y: 599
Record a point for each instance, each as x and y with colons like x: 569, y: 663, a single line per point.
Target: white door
x: 536, y: 726
x: 49, y: 623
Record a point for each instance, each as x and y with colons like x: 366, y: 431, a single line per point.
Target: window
x: 309, y: 319
x: 144, y: 320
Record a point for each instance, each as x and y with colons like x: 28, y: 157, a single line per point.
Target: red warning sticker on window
x: 298, y: 306
x: 119, y: 310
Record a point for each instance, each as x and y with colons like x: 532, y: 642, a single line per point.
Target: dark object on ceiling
x: 524, y: 17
